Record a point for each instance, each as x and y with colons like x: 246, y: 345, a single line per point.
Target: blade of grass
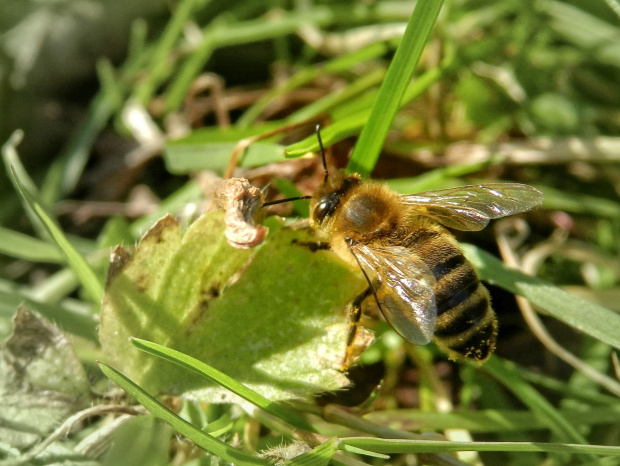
x: 436, y: 179
x: 211, y: 148
x: 270, y: 27
x: 92, y: 284
x: 66, y: 170
x: 200, y: 438
x: 580, y: 314
x: 224, y: 380
x: 333, y: 99
x: 434, y: 446
x: 336, y: 65
x: 319, y: 456
x: 580, y: 203
x: 220, y: 34
x: 20, y: 246
x: 556, y: 422
x: 489, y: 420
x: 55, y: 287
x: 177, y: 91
x: 397, y: 79
x: 352, y: 123
x: 592, y: 397
x: 160, y: 65
x: 12, y: 161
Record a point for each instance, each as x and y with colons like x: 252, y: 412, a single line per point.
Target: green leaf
x: 200, y: 438
x: 273, y: 319
x: 580, y: 314
x: 224, y: 380
x: 41, y: 380
x: 397, y: 79
x: 91, y: 283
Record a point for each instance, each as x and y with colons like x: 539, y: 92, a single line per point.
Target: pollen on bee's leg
x: 359, y: 338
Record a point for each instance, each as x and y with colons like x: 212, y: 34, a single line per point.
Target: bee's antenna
x: 318, y: 136
x: 299, y: 198
x: 282, y: 201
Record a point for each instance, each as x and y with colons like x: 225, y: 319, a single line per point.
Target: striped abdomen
x: 466, y: 324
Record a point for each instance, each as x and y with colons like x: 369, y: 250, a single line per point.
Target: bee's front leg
x: 313, y: 246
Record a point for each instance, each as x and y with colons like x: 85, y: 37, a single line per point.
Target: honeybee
x: 416, y: 271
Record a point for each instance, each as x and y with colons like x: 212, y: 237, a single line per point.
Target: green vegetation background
x: 121, y: 104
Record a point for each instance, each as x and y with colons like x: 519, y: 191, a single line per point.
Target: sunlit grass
x: 533, y: 92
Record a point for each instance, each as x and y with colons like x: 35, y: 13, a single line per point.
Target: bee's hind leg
x: 354, y: 347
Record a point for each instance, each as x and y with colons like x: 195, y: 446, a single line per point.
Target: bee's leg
x: 352, y: 351
x: 313, y: 246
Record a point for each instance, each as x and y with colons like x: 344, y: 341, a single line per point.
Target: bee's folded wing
x: 469, y: 208
x: 404, y: 289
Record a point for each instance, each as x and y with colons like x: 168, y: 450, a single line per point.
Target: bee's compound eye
x: 325, y: 207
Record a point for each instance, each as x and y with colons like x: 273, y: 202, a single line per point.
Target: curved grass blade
x: 397, y: 79
x: 200, y: 438
x: 11, y: 160
x: 91, y: 283
x: 224, y: 380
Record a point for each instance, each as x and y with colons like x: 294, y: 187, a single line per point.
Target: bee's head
x: 327, y: 197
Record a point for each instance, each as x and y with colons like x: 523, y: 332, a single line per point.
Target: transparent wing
x: 404, y: 289
x: 471, y: 207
